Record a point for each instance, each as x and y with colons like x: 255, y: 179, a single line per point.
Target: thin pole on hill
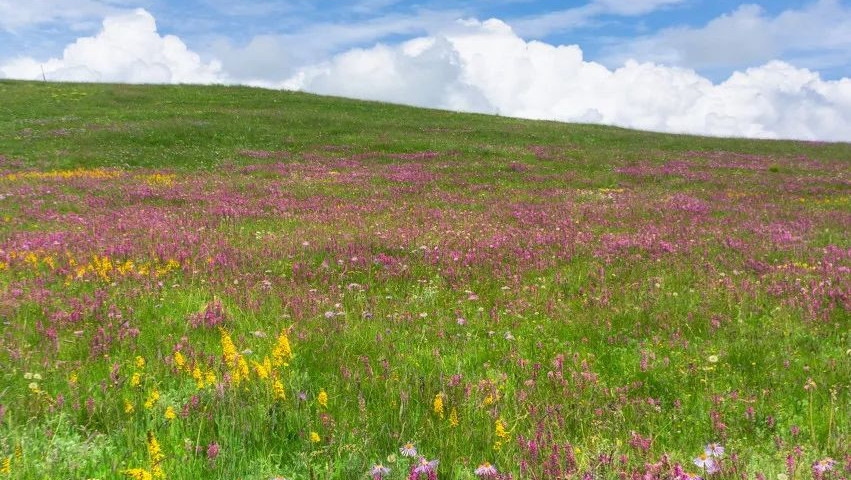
x: 43, y: 77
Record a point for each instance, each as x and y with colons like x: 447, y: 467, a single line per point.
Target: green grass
x: 590, y: 288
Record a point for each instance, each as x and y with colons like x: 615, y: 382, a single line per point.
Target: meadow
x: 234, y: 283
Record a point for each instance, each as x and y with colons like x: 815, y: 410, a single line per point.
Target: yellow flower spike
x: 500, y: 429
x: 152, y: 399
x: 6, y: 466
x: 140, y: 362
x: 179, y: 360
x: 210, y: 377
x: 155, y: 452
x: 322, y: 398
x: 136, y: 379
x: 128, y: 407
x: 314, y: 437
x: 453, y: 418
x: 244, y: 371
x: 278, y: 388
x: 261, y: 371
x: 228, y: 349
x: 282, y: 354
x: 438, y: 405
x: 137, y: 473
x: 169, y: 413
x: 72, y: 379
x: 199, y: 380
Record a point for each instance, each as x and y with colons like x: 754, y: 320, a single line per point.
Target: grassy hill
x: 225, y: 282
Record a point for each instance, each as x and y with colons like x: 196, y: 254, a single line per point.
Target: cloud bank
x: 486, y: 67
x: 817, y: 35
x: 127, y: 49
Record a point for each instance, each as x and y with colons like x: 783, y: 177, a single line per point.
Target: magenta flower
x: 212, y: 451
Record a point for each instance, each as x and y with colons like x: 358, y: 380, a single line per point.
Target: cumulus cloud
x: 817, y: 35
x: 485, y: 66
x: 127, y: 49
x: 273, y: 58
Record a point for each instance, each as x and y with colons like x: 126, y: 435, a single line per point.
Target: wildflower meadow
x: 232, y: 283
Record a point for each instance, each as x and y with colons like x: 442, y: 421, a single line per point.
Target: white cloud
x: 816, y: 36
x: 485, y: 66
x: 273, y: 58
x: 127, y: 49
x: 482, y: 67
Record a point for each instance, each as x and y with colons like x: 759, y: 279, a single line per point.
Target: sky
x: 760, y: 69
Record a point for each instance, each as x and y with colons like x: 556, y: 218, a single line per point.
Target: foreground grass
x: 210, y: 282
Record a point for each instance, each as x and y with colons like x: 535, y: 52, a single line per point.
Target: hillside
x: 225, y: 282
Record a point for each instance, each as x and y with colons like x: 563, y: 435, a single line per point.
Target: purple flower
x: 823, y: 466
x: 425, y: 466
x: 379, y: 471
x: 706, y: 462
x: 486, y: 470
x: 408, y: 450
x: 714, y: 450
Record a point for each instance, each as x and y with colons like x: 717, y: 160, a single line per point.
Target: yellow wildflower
x: 136, y: 379
x: 169, y: 413
x: 179, y: 360
x: 210, y: 377
x: 128, y: 407
x: 278, y: 387
x: 314, y: 437
x: 72, y: 379
x: 152, y: 399
x: 140, y: 362
x: 228, y: 349
x: 6, y: 466
x: 199, y: 380
x: 282, y: 354
x: 438, y: 405
x: 155, y: 452
x: 261, y: 371
x: 137, y: 473
x: 500, y: 429
x: 323, y: 398
x: 243, y: 368
x: 453, y: 417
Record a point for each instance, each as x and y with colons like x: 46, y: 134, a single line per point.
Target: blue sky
x: 761, y: 68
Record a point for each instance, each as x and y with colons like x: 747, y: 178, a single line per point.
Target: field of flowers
x: 211, y: 282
